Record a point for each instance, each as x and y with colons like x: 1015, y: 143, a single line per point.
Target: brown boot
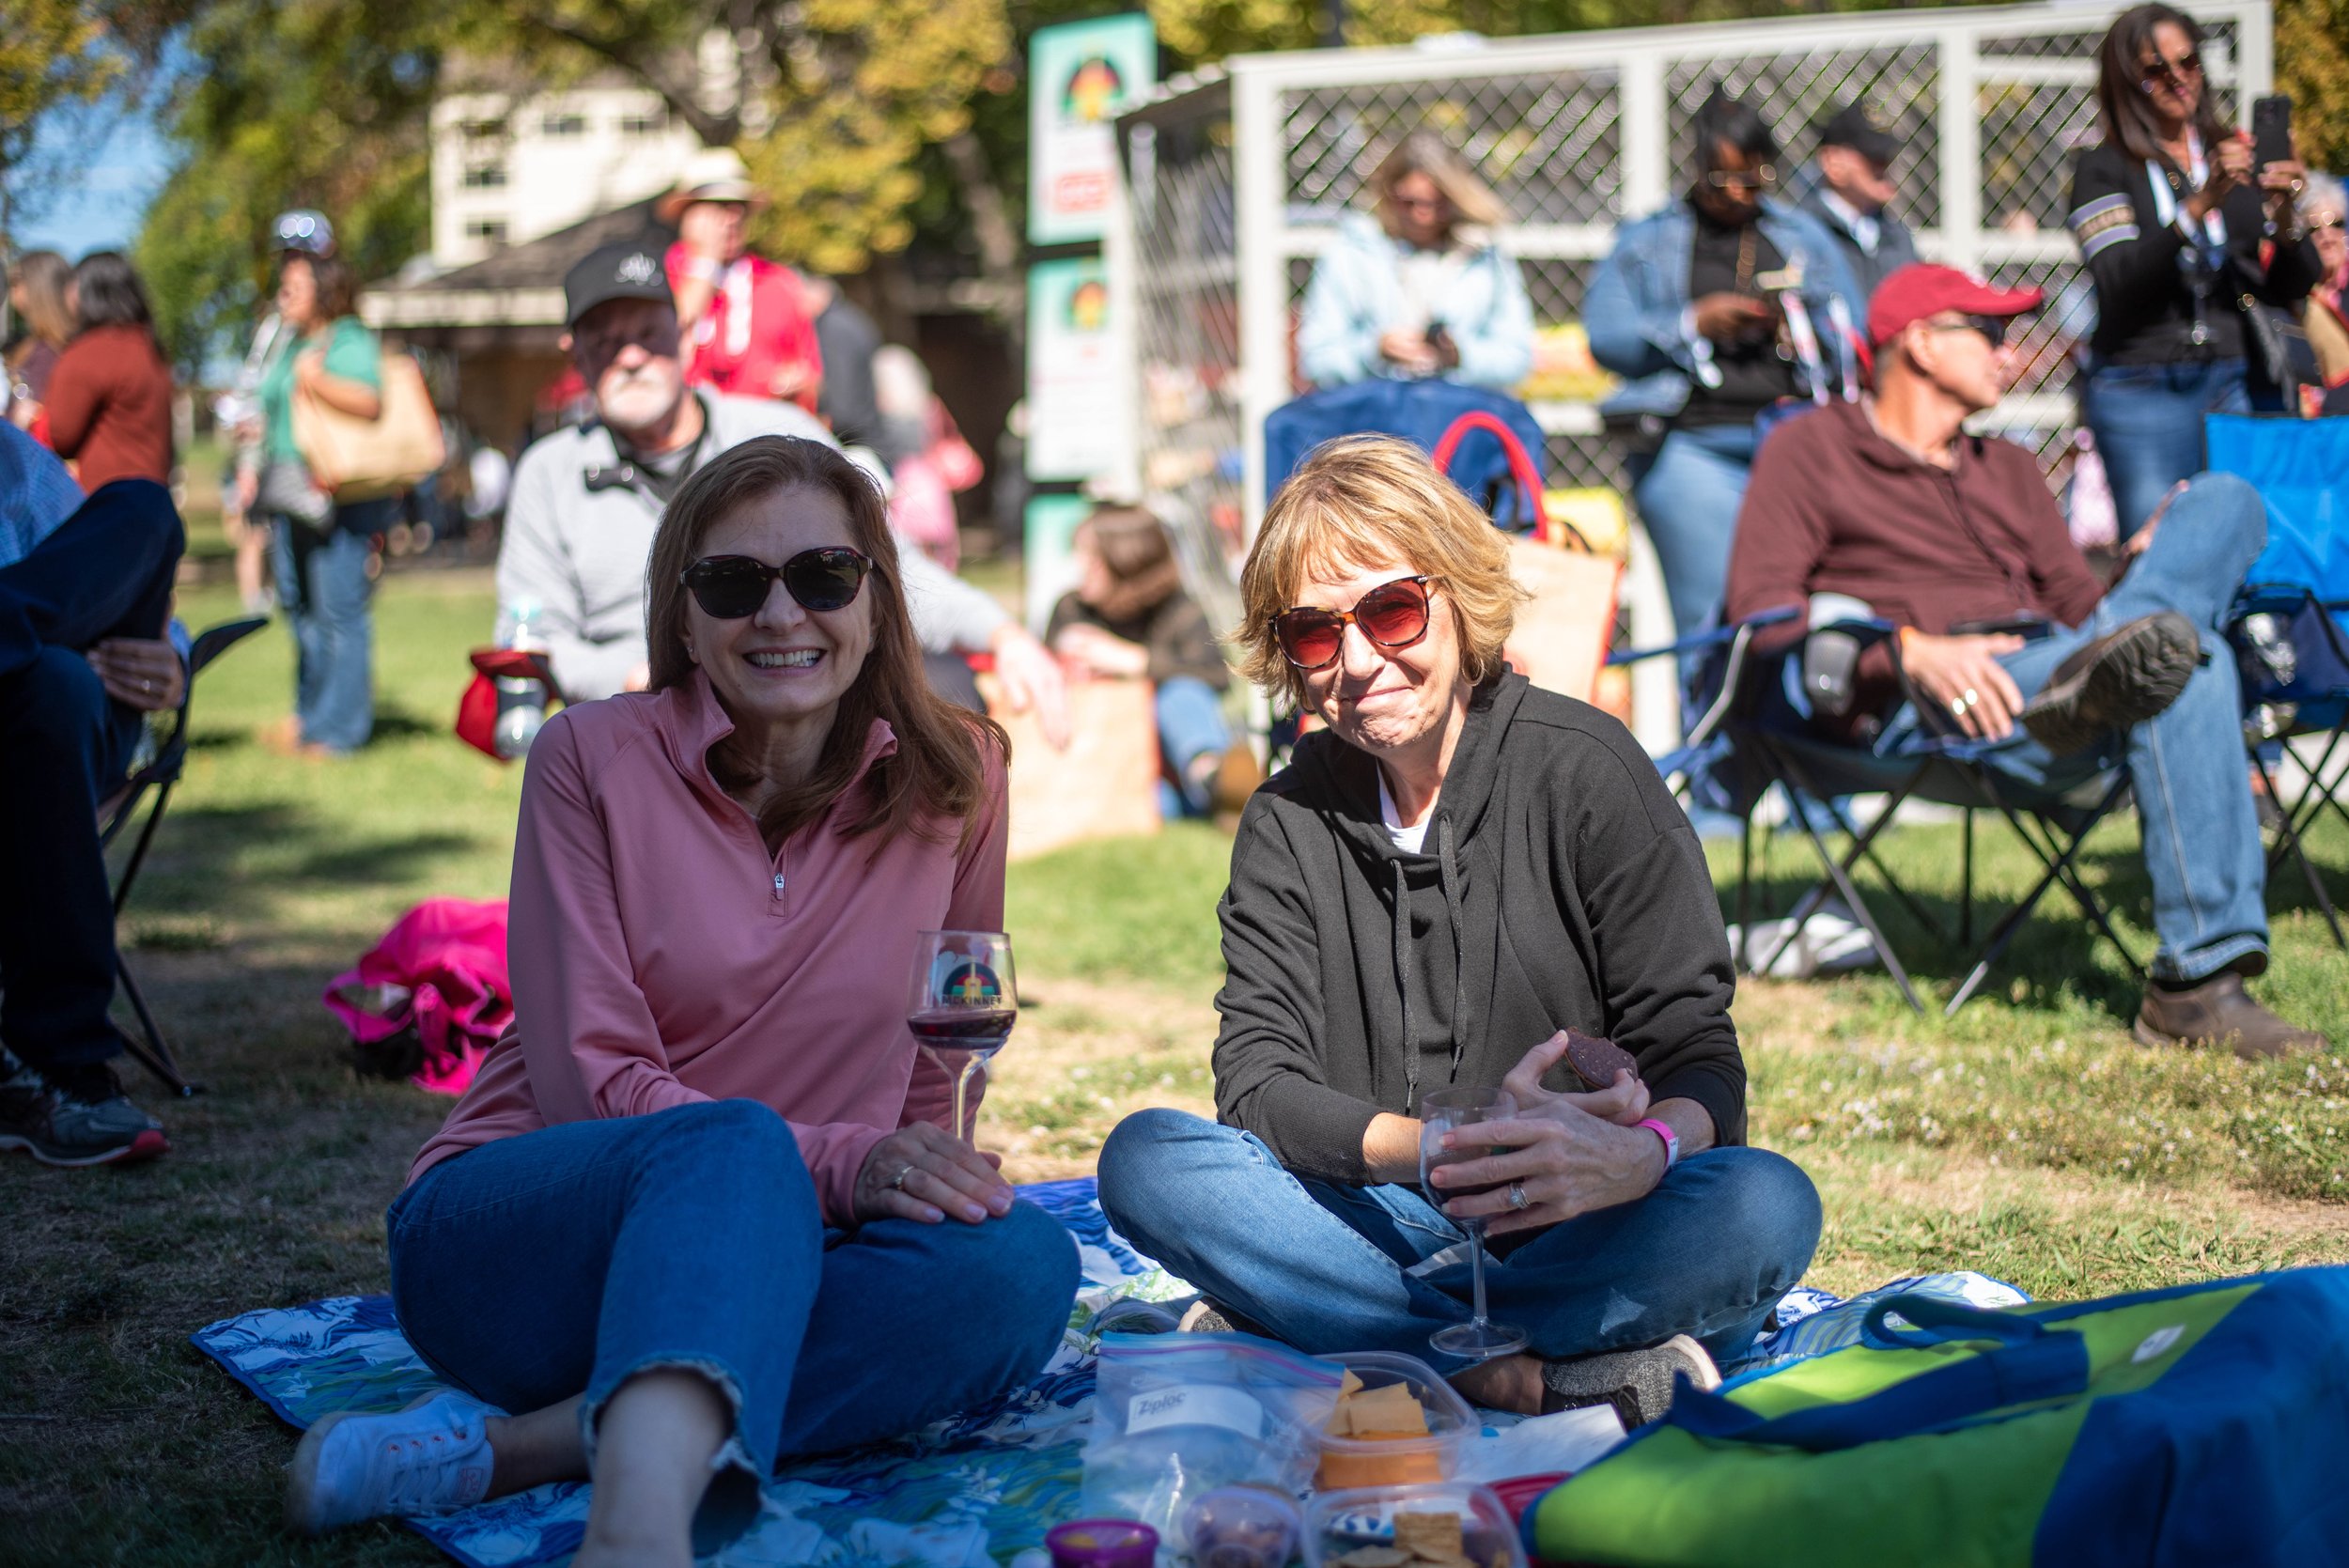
x: 2219, y: 1012
x: 2122, y: 678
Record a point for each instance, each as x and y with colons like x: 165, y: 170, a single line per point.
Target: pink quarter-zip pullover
x: 660, y: 956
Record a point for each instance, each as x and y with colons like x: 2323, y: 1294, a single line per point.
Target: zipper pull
x: 778, y: 884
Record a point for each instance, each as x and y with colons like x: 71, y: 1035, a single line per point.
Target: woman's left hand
x: 924, y: 1172
x: 2282, y: 181
x: 139, y: 671
x: 1565, y: 1162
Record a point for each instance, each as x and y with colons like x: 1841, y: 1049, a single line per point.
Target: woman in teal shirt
x: 322, y: 549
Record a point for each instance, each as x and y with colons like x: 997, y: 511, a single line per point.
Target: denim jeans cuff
x: 732, y: 1501
x: 2203, y: 962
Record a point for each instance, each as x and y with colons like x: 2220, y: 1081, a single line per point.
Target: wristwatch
x: 1671, y: 1141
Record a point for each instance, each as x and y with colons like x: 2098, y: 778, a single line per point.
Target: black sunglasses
x: 728, y: 587
x: 1393, y: 615
x: 1992, y: 327
x: 2183, y: 69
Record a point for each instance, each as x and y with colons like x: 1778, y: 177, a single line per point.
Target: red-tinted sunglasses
x: 1392, y: 616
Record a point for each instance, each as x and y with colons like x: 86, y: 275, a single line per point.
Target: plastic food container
x: 1102, y: 1544
x: 1242, y: 1526
x: 1350, y: 1462
x: 1340, y: 1523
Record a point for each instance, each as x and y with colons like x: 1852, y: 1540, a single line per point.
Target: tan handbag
x: 358, y: 459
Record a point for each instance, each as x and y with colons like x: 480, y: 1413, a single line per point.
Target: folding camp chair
x: 2294, y: 659
x: 1750, y: 736
x: 150, y: 786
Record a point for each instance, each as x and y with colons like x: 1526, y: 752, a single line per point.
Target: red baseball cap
x: 1921, y: 289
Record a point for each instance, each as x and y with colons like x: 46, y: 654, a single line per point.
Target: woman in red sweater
x: 110, y: 397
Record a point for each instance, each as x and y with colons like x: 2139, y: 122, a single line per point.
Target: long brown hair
x: 940, y: 765
x: 1132, y: 544
x: 44, y: 276
x: 2122, y: 109
x: 1426, y: 152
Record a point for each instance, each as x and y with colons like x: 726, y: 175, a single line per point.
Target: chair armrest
x: 1713, y: 638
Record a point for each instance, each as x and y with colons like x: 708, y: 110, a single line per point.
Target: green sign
x: 1080, y: 74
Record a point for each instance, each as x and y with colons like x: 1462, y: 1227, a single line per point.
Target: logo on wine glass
x: 969, y: 982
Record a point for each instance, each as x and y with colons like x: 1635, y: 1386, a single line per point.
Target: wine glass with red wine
x: 1458, y: 1112
x: 965, y: 1001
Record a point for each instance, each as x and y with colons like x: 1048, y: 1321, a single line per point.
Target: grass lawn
x: 2030, y: 1138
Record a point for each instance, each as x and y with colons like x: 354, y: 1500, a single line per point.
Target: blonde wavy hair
x: 1426, y: 152
x: 1368, y: 501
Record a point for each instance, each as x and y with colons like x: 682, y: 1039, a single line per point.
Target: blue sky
x: 101, y: 196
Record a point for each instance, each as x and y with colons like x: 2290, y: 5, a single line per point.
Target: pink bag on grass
x: 430, y: 998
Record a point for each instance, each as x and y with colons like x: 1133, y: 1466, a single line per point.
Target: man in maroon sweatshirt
x: 1954, y: 537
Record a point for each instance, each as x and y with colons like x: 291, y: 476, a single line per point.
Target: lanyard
x: 2165, y: 201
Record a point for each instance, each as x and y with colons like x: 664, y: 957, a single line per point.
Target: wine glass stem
x: 963, y: 1127
x: 1476, y: 1273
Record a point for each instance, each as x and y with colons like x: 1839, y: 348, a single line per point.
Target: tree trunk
x: 999, y: 244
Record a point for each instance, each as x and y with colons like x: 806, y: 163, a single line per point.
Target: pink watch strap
x: 1671, y: 1141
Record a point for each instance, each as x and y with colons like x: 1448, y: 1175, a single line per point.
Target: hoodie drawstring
x: 1403, y: 986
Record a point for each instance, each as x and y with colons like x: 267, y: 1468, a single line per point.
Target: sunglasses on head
x: 2184, y: 69
x: 729, y: 587
x: 1392, y: 616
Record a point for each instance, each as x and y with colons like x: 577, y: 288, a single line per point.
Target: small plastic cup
x: 1102, y: 1544
x: 1242, y: 1526
x: 1353, y: 1461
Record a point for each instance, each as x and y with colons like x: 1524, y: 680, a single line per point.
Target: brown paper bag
x: 1561, y: 633
x: 1104, y: 785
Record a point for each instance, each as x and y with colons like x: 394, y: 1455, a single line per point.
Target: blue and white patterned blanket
x: 965, y: 1493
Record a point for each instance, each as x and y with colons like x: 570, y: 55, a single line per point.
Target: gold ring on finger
x: 897, y: 1182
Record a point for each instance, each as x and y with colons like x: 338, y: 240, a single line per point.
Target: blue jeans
x: 1330, y: 1268
x: 106, y: 572
x: 322, y: 584
x: 2147, y: 420
x: 2187, y: 765
x: 570, y: 1259
x: 1190, y: 726
x: 1688, y: 494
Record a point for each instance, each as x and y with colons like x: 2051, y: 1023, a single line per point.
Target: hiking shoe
x: 1638, y: 1383
x: 92, y: 1123
x: 2219, y: 1012
x: 433, y: 1457
x: 2122, y: 678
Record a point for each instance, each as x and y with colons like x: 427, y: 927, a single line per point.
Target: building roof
x: 519, y: 286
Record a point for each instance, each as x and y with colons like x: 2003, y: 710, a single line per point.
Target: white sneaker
x: 432, y: 1457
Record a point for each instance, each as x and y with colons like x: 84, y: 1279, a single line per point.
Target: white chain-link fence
x: 1237, y: 181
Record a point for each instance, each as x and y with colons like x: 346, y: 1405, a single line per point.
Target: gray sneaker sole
x: 149, y: 1144
x: 2136, y: 680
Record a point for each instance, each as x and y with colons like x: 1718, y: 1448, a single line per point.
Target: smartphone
x: 2271, y: 131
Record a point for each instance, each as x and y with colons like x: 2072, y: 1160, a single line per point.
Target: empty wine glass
x: 964, y: 1002
x: 1446, y: 1110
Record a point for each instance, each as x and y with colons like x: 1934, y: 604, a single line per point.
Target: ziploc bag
x: 1176, y: 1416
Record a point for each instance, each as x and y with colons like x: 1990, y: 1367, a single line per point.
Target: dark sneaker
x: 2122, y: 678
x: 2219, y: 1012
x: 1638, y: 1383
x: 58, y: 1127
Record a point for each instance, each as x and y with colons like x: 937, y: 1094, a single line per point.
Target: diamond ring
x: 1518, y: 1199
x: 897, y: 1182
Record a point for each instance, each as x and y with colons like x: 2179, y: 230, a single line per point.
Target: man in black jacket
x: 1458, y: 869
x: 1850, y: 190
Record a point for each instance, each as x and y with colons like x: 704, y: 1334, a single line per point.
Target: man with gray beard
x: 585, y: 502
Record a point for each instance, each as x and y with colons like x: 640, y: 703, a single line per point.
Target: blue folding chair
x: 2290, y: 626
x: 1750, y: 736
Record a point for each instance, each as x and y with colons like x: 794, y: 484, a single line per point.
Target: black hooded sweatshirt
x: 1561, y: 885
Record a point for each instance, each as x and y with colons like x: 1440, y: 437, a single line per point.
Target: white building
x: 507, y: 169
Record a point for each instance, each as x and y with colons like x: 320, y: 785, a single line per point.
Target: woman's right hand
x: 1624, y: 1102
x: 2230, y: 166
x: 924, y: 1172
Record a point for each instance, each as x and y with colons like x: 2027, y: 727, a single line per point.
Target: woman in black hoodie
x: 1456, y: 870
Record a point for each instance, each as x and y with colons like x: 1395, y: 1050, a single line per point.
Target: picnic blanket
x: 969, y: 1492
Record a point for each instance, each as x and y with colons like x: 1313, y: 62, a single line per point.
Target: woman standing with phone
x: 2185, y: 232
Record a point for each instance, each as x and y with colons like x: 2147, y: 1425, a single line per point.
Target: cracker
x: 1389, y: 1412
x: 1373, y: 1556
x: 1432, y: 1538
